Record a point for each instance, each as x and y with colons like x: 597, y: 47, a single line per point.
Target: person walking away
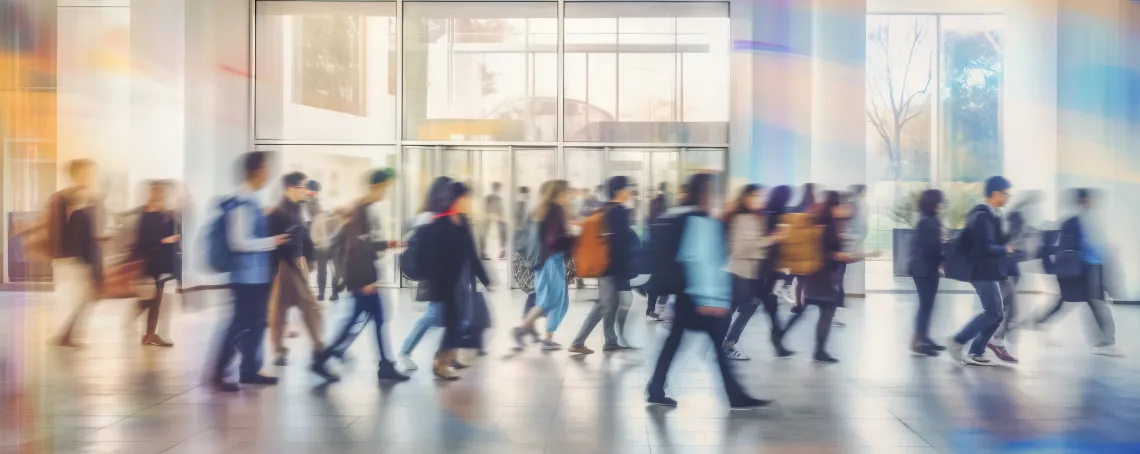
x: 1017, y: 231
x: 361, y: 279
x: 519, y: 216
x: 925, y: 260
x: 437, y: 201
x: 494, y: 208
x: 823, y: 288
x: 452, y: 267
x: 771, y: 274
x: 1080, y: 274
x: 291, y: 277
x: 793, y: 294
x: 657, y: 207
x: 749, y: 240
x: 614, y: 292
x: 247, y: 235
x: 705, y: 300
x: 988, y: 252
x: 156, y: 237
x: 551, y: 295
x: 326, y: 226
x: 855, y: 233
x: 70, y: 235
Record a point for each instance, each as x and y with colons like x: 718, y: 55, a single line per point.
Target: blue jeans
x: 246, y: 331
x: 981, y: 328
x: 429, y: 319
x: 366, y: 307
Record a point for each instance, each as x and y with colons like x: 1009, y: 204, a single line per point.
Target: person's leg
x: 987, y: 322
x: 322, y: 274
x: 651, y: 303
x: 592, y: 318
x: 77, y: 285
x: 228, y: 347
x: 735, y: 392
x: 823, y: 329
x: 154, y: 305
x: 927, y: 288
x: 376, y: 308
x: 429, y: 319
x: 610, y: 301
x: 1101, y: 312
x: 502, y: 238
x: 484, y: 229
x: 278, y: 312
x: 313, y: 316
x: 745, y: 303
x: 625, y: 301
x: 1007, y: 288
x: 254, y: 337
x: 656, y: 387
x: 353, y: 325
x: 529, y: 303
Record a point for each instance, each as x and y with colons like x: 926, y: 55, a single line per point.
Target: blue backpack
x: 219, y: 256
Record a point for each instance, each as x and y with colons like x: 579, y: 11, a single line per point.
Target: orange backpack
x: 592, y: 253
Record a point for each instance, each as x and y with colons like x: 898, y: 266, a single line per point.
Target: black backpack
x: 412, y: 261
x: 958, y: 252
x: 666, y: 274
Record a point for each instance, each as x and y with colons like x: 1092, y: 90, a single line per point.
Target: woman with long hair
x: 551, y: 296
x: 824, y: 288
x: 795, y: 294
x: 749, y: 239
x: 925, y: 259
x: 435, y: 202
x: 452, y: 265
x: 155, y: 244
x: 769, y: 276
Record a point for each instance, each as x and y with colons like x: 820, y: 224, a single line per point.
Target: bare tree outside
x: 899, y: 73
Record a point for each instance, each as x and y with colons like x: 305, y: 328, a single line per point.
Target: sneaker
x: 579, y: 350
x: 518, y: 334
x: 258, y: 379
x: 551, y: 345
x: 838, y: 324
x: 321, y: 368
x: 823, y: 357
x: 751, y: 404
x: 977, y: 360
x: 1108, y: 350
x: 955, y: 349
x: 934, y: 346
x: 924, y: 350
x: 405, y: 362
x: 783, y: 352
x: 735, y: 355
x: 655, y: 317
x: 617, y: 348
x: 388, y: 372
x: 1001, y: 353
x: 661, y: 401
x: 223, y: 386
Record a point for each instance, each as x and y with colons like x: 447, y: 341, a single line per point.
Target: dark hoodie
x: 987, y: 245
x: 286, y: 218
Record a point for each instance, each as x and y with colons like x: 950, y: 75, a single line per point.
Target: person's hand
x: 281, y: 239
x: 171, y: 239
x: 718, y: 312
x: 1009, y: 248
x: 368, y: 289
x: 780, y: 233
x: 396, y: 244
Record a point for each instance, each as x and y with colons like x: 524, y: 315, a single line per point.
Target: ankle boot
x: 441, y: 366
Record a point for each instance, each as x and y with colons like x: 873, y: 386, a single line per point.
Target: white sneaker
x: 406, y: 362
x: 955, y: 349
x: 977, y: 360
x: 1108, y: 350
x: 735, y: 355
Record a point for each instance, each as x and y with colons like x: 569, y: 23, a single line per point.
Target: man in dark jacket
x: 988, y: 250
x: 361, y: 277
x: 614, y: 295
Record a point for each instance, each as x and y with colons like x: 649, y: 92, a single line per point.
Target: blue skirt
x: 551, y: 293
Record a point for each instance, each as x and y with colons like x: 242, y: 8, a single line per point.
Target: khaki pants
x: 291, y: 289
x: 74, y: 291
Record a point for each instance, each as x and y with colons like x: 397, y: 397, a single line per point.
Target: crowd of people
x: 718, y: 267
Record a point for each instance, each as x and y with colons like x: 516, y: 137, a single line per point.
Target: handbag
x: 122, y: 280
x: 1068, y: 264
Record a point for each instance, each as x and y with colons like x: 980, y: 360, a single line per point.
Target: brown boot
x: 441, y: 366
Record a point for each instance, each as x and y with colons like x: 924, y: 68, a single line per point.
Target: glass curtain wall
x: 934, y: 100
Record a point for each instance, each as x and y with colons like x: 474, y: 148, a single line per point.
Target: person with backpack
x: 925, y: 260
x: 361, y: 278
x: 71, y: 236
x: 983, y: 244
x: 689, y: 258
x: 551, y: 294
x: 822, y: 280
x: 772, y: 273
x: 435, y: 202
x: 241, y: 242
x: 291, y: 275
x: 156, y: 239
x: 749, y: 239
x: 1018, y: 231
x: 607, y: 244
x: 1080, y: 258
x: 657, y: 208
x: 792, y: 290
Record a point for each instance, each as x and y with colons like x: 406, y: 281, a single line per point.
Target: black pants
x: 745, y: 301
x: 246, y: 332
x: 365, y: 307
x: 654, y: 299
x: 153, y: 305
x: 453, y: 333
x: 927, y: 288
x: 822, y: 326
x: 687, y: 319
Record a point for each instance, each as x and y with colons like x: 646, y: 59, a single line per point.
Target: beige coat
x: 748, y: 244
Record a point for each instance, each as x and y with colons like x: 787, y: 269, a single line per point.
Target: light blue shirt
x: 705, y: 259
x: 247, y: 232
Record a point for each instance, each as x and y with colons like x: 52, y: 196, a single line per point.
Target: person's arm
x: 702, y: 254
x: 617, y: 227
x: 987, y: 238
x: 930, y: 237
x: 239, y: 232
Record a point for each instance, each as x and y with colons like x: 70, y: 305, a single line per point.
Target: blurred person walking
x: 453, y: 267
x: 794, y: 294
x: 361, y: 278
x: 156, y: 243
x: 657, y: 208
x: 614, y: 292
x: 247, y: 236
x: 1080, y: 269
x: 437, y: 201
x: 988, y: 253
x: 855, y: 231
x: 291, y: 275
x: 551, y: 294
x: 771, y: 275
x: 1018, y: 231
x: 495, y: 215
x: 705, y: 299
x: 824, y: 287
x: 749, y: 239
x: 925, y: 260
x: 325, y: 229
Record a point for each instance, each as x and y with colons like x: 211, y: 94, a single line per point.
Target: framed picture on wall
x: 329, y: 63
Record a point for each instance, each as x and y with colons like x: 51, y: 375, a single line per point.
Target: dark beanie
x: 314, y: 186
x: 381, y: 175
x: 996, y: 184
x: 615, y: 185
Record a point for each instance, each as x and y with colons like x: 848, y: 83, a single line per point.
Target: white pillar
x: 157, y: 109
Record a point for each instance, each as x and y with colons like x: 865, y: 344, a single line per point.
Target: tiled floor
x: 114, y: 396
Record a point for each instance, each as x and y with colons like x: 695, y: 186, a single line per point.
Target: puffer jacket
x: 801, y: 250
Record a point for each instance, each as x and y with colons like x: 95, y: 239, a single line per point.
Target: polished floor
x: 114, y: 396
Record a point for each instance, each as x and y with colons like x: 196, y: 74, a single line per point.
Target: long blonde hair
x: 550, y: 192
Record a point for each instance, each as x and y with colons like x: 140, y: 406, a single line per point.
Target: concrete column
x: 156, y: 99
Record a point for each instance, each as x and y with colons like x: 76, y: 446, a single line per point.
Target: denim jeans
x: 246, y: 332
x: 429, y: 319
x: 981, y: 328
x: 612, y: 309
x: 366, y: 307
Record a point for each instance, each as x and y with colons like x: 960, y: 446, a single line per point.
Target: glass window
x: 480, y: 71
x: 326, y: 71
x: 647, y: 75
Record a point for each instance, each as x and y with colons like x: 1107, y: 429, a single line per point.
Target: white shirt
x: 239, y: 228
